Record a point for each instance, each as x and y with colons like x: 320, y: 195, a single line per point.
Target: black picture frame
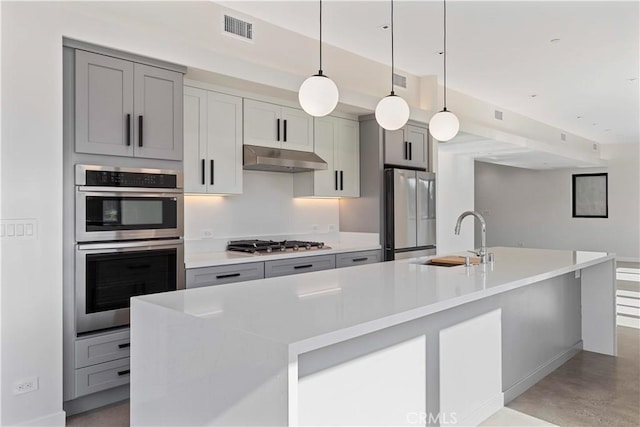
x: 590, y: 195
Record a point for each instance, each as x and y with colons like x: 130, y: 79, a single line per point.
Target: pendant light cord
x: 320, y: 72
x: 392, y: 56
x: 445, y: 54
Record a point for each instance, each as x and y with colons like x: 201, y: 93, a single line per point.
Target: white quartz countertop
x: 312, y: 310
x: 216, y: 258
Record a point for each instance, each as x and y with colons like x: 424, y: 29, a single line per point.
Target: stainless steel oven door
x: 127, y: 215
x: 109, y: 274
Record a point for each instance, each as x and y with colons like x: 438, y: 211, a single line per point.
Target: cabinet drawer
x: 102, y: 348
x: 285, y: 267
x: 209, y: 276
x: 357, y: 258
x: 102, y: 376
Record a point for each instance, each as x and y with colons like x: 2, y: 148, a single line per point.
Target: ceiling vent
x: 400, y: 80
x: 498, y: 115
x: 563, y: 136
x: 238, y: 27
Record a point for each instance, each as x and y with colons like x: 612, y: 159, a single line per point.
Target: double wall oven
x: 129, y: 229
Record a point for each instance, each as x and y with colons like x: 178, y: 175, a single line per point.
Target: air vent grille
x: 399, y: 80
x: 238, y: 27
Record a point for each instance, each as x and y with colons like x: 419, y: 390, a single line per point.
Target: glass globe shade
x: 392, y: 112
x: 318, y: 95
x: 444, y: 125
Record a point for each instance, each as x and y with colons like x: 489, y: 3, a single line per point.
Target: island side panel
x: 471, y: 370
x: 187, y: 371
x: 599, y: 308
x: 540, y: 331
x: 374, y: 386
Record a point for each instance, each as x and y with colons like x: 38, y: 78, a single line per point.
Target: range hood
x: 280, y: 160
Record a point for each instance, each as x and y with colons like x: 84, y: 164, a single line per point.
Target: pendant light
x: 318, y: 95
x: 444, y: 125
x: 392, y: 112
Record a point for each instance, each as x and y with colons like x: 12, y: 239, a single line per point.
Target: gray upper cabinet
x: 158, y: 113
x: 104, y: 105
x: 127, y: 109
x: 272, y: 125
x: 407, y: 147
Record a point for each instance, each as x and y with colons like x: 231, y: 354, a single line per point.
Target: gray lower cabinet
x: 209, y: 276
x: 101, y: 361
x: 102, y: 348
x: 351, y: 259
x: 123, y: 108
x: 285, y: 267
x: 102, y: 376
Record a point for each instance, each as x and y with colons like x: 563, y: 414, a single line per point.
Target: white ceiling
x: 500, y: 52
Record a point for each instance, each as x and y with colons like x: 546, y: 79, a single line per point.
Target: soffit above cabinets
x: 521, y: 154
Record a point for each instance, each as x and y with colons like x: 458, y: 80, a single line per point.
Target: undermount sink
x: 441, y: 264
x: 449, y: 261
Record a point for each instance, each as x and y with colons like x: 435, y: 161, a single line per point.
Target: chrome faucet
x: 482, y: 253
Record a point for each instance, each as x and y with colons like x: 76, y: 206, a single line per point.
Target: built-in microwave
x: 115, y: 203
x: 109, y: 274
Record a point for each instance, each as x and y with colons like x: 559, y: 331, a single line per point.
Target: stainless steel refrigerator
x: 410, y: 214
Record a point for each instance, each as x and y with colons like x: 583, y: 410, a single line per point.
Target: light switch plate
x: 18, y: 229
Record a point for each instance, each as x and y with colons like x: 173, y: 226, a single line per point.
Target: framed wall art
x: 590, y: 195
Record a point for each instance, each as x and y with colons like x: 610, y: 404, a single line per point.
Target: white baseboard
x: 57, y: 419
x: 483, y: 412
x: 523, y: 385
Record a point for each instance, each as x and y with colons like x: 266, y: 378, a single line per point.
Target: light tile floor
x: 508, y: 417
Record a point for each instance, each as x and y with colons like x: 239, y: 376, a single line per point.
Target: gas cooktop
x: 269, y: 246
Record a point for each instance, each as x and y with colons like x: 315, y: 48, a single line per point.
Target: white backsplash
x: 265, y: 209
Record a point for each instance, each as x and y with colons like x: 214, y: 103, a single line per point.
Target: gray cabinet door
x: 350, y: 259
x: 286, y: 267
x: 210, y: 276
x: 395, y: 147
x: 104, y: 104
x: 418, y: 139
x: 158, y: 113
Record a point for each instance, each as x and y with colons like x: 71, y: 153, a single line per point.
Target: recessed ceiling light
x: 384, y: 27
x: 578, y: 117
x: 554, y: 40
x: 594, y: 124
x: 607, y: 130
x: 533, y: 95
x: 633, y: 79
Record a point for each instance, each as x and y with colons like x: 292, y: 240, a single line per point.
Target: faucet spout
x: 483, y: 249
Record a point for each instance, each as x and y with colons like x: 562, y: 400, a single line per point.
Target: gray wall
x: 533, y: 208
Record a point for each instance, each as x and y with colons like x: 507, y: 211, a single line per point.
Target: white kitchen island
x: 395, y: 343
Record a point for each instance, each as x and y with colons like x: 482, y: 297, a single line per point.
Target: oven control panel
x: 105, y: 178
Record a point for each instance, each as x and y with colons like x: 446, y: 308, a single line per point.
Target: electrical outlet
x: 331, y: 227
x: 315, y: 228
x: 520, y: 244
x: 25, y: 385
x: 207, y: 234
